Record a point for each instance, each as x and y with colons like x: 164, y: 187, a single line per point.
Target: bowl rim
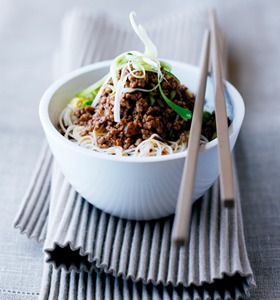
x: 49, y: 127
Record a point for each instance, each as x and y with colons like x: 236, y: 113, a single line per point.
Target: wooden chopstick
x: 226, y: 178
x: 181, y: 225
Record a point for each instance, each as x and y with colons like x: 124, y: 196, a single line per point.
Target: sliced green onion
x: 184, y: 113
x: 148, y: 65
x: 214, y: 135
x: 110, y: 87
x: 165, y: 65
x: 122, y: 61
x: 172, y: 94
x: 153, y: 100
x: 129, y: 53
x: 94, y: 93
x: 85, y: 103
x: 171, y: 133
x: 76, y: 101
x: 92, y: 88
x: 150, y: 48
x: 150, y: 62
x: 206, y: 117
x: 114, y: 68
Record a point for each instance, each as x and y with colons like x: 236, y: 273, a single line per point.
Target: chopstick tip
x: 228, y: 203
x: 178, y: 242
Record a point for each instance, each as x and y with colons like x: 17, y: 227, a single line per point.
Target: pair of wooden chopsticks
x: 183, y: 210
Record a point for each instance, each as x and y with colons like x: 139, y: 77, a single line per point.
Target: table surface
x: 29, y: 33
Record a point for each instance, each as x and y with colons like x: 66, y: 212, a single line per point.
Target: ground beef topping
x: 139, y: 119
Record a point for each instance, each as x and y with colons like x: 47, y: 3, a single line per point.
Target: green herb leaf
x: 129, y: 53
x: 184, y: 113
x: 153, y: 100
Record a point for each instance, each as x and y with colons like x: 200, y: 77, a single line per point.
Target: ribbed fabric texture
x: 82, y: 238
x: 101, y: 286
x: 33, y: 213
x: 92, y: 255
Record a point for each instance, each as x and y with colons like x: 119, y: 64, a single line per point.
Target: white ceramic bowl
x: 131, y: 187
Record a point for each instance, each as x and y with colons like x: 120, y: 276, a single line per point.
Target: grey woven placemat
x: 101, y: 286
x: 81, y: 237
x: 139, y: 251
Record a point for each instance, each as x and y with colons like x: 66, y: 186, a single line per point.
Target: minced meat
x: 138, y: 119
